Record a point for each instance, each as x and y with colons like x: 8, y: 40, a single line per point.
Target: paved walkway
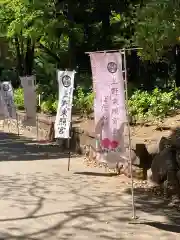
x: 40, y: 199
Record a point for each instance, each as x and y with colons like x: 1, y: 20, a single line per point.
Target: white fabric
x: 7, y: 99
x: 28, y: 84
x: 63, y: 118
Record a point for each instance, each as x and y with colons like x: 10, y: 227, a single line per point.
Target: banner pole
x: 37, y: 104
x: 69, y: 145
x: 70, y: 129
x: 18, y: 132
x: 8, y: 122
x: 37, y: 126
x: 129, y: 138
x: 69, y: 141
x: 3, y: 124
x: 117, y: 50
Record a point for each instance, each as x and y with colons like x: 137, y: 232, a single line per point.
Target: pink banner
x: 109, y: 103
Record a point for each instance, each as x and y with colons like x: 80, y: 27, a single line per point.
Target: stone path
x: 40, y: 199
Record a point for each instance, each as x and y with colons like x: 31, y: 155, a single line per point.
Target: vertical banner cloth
x: 7, y: 99
x: 28, y: 84
x: 63, y: 118
x: 109, y: 106
x: 3, y: 108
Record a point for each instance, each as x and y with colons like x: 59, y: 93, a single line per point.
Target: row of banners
x: 7, y: 105
x: 109, y: 104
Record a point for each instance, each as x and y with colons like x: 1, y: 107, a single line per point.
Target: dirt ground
x: 150, y: 133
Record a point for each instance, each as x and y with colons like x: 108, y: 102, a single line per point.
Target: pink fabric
x: 109, y: 103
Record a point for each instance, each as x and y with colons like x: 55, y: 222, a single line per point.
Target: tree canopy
x: 45, y: 35
x: 158, y: 28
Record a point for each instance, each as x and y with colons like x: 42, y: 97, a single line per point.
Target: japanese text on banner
x: 109, y: 103
x: 63, y: 117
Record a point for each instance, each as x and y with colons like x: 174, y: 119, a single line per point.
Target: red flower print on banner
x: 114, y: 144
x: 105, y: 143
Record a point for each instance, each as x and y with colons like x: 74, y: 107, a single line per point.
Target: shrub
x: 19, y: 98
x: 48, y: 106
x: 83, y: 102
x: 143, y: 105
x: 155, y: 104
x: 55, y: 106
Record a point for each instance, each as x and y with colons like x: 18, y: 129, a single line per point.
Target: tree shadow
x: 33, y: 196
x: 59, y: 206
x: 147, y: 202
x: 55, y: 204
x: 164, y: 226
x: 96, y: 174
x: 19, y: 148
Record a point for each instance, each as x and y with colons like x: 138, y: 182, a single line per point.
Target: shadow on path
x: 96, y: 174
x: 78, y: 209
x: 19, y: 148
x: 52, y: 204
x: 56, y: 206
x: 147, y: 202
x: 164, y: 226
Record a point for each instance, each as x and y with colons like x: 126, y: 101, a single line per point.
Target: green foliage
x: 158, y: 28
x: 125, y: 22
x: 143, y: 105
x: 49, y: 106
x: 55, y: 34
x: 157, y: 104
x: 55, y: 106
x: 84, y: 80
x: 23, y: 18
x: 9, y: 75
x: 83, y: 102
x: 19, y: 98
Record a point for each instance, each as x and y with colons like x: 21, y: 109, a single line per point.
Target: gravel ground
x: 40, y: 199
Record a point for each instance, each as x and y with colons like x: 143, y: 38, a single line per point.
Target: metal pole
x: 129, y: 137
x: 18, y: 132
x: 37, y: 127
x: 69, y: 145
x: 69, y: 139
x: 9, y: 123
x: 39, y: 100
x: 3, y: 124
x: 117, y: 50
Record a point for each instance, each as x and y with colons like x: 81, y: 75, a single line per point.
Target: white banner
x: 3, y: 108
x: 109, y: 107
x: 63, y: 118
x: 28, y: 84
x: 8, y: 108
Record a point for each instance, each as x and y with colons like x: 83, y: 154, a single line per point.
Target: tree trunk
x: 71, y: 46
x: 106, y: 28
x: 133, y: 66
x: 25, y: 59
x: 19, y: 57
x: 29, y: 58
